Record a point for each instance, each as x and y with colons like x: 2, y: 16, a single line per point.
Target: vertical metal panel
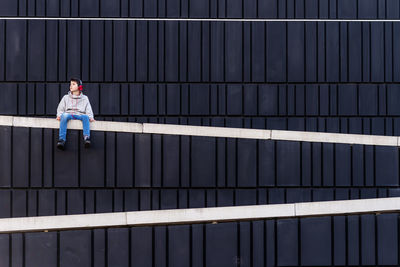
x: 347, y: 9
x: 276, y: 52
x: 36, y: 162
x: 18, y: 203
x: 203, y: 161
x: 5, y: 156
x: 393, y: 95
x: 234, y: 99
x: 20, y: 159
x: 75, y: 200
x: 268, y: 9
x: 75, y: 248
x: 295, y: 51
x: 347, y: 98
x: 245, y: 197
x: 268, y: 100
x: 108, y: 50
x: 332, y: 51
x: 142, y: 246
x: 39, y: 244
x: 160, y: 247
x: 199, y: 99
x: 250, y: 105
x: 316, y: 241
x: 89, y: 8
x: 16, y: 50
x: 171, y: 51
x: 339, y: 240
x: 9, y: 8
x: 217, y: 51
x: 206, y: 51
x: 311, y: 52
x: 194, y: 55
x: 287, y: 242
x: 36, y: 50
x: 142, y: 160
x: 353, y: 236
x: 170, y: 161
x: 221, y: 244
x: 368, y: 100
x: 377, y: 52
x: 396, y: 54
x: 258, y: 51
x: 118, y: 247
x: 124, y: 159
x: 179, y: 245
x: 387, y: 239
x: 97, y: 50
x: 66, y: 162
x: 288, y: 163
x: 312, y: 96
x: 153, y: 50
x: 387, y: 166
x: 92, y: 161
x: 368, y: 239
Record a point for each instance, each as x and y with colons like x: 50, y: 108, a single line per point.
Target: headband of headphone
x: 80, y: 85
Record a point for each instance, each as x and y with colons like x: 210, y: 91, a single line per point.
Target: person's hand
x: 58, y: 118
x: 91, y: 120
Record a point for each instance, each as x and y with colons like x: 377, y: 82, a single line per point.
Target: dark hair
x: 78, y: 81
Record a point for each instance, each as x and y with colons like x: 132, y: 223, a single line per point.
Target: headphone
x: 80, y: 85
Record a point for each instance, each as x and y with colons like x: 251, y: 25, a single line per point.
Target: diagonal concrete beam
x: 199, y: 215
x: 206, y: 131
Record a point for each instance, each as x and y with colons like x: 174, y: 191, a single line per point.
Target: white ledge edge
x: 334, y: 138
x: 206, y: 131
x: 199, y: 215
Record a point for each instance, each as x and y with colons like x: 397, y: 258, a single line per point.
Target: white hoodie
x: 75, y: 104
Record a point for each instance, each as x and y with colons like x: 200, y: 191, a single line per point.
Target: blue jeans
x: 65, y: 117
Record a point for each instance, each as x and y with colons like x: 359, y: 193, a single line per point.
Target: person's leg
x: 85, y: 123
x: 65, y: 117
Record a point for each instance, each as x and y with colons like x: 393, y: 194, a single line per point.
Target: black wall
x: 126, y: 172
x: 322, y: 241
x: 342, y: 9
x: 309, y: 76
x: 182, y: 51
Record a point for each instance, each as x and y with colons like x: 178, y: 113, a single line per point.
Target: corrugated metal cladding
x: 369, y: 240
x: 343, y: 9
x: 314, y: 76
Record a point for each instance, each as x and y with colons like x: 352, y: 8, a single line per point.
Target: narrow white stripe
x: 334, y: 138
x: 200, y: 19
x: 201, y: 215
x: 206, y: 131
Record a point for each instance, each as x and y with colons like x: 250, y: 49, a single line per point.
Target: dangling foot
x: 86, y: 140
x: 61, y: 144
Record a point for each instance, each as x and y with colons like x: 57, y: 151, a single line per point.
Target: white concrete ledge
x: 152, y: 128
x: 201, y: 215
x: 206, y: 131
x: 6, y: 120
x: 334, y: 138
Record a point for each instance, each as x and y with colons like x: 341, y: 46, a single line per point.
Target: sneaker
x: 86, y: 140
x: 61, y: 144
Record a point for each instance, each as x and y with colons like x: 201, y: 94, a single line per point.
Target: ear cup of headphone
x: 80, y: 85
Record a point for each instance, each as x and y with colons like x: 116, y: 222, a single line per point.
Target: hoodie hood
x: 75, y: 96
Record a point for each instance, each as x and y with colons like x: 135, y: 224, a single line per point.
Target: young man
x: 74, y: 106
